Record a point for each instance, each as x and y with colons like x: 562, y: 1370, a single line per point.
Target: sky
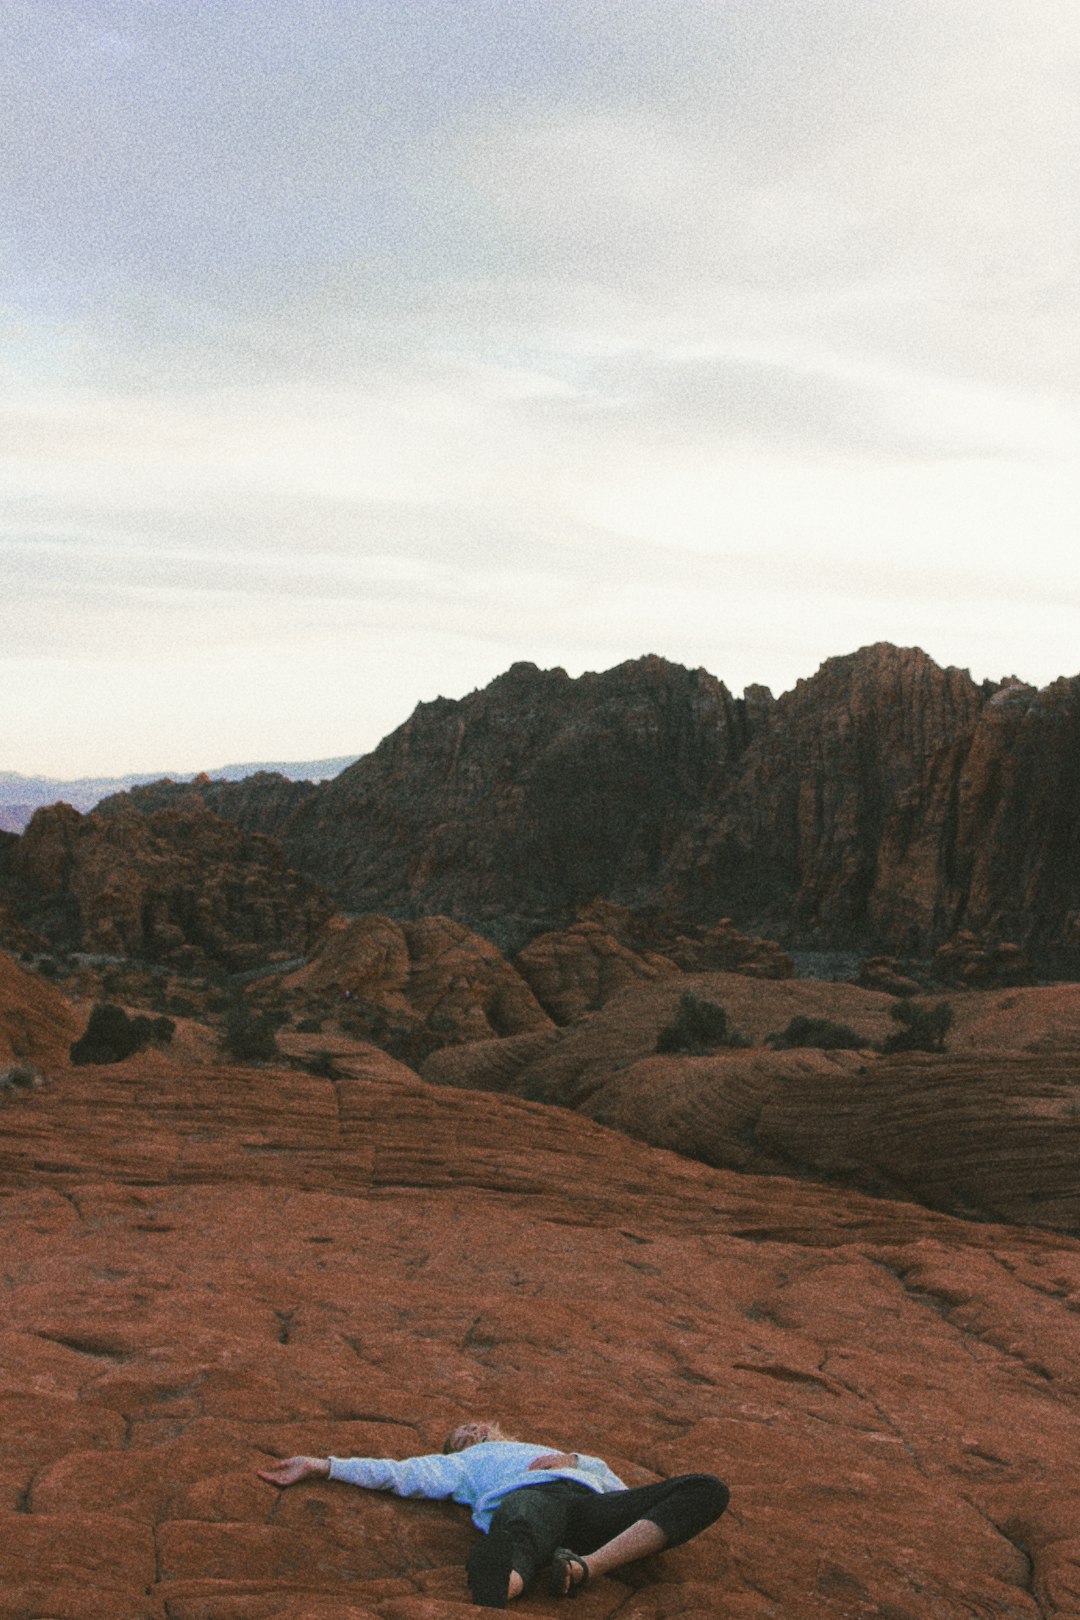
x: 354, y: 350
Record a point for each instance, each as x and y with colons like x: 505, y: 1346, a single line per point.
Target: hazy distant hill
x: 21, y: 795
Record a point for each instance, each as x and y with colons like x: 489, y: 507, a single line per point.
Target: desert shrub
x: 923, y: 1029
x: 817, y: 1032
x: 111, y: 1036
x: 19, y: 1077
x: 309, y: 1026
x: 323, y: 1065
x: 699, y: 1026
x: 249, y: 1037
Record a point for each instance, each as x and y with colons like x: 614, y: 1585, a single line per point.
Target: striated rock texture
x: 884, y: 803
x: 37, y: 1023
x: 432, y: 974
x: 990, y: 1129
x: 179, y: 885
x: 575, y: 970
x: 526, y: 799
x: 204, y: 1269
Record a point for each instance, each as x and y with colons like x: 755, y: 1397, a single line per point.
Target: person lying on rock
x: 535, y: 1506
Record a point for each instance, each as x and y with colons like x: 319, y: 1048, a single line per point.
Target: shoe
x: 563, y: 1564
x: 488, y: 1570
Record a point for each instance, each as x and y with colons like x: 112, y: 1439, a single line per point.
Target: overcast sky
x: 355, y: 349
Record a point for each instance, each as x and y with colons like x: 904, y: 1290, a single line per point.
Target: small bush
x: 923, y: 1029
x: 18, y: 1077
x: 821, y: 1033
x: 699, y: 1026
x: 248, y: 1038
x: 111, y: 1036
x: 162, y: 1030
x: 309, y: 1026
x: 323, y: 1065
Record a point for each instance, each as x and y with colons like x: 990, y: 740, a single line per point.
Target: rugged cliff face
x: 526, y: 799
x: 884, y: 803
x: 178, y: 885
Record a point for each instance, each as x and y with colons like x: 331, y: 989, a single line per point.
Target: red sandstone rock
x: 208, y: 1269
x: 37, y: 1024
x: 884, y: 804
x: 885, y: 973
x: 581, y: 968
x: 969, y: 963
x: 431, y: 975
x: 180, y: 885
x: 992, y: 1128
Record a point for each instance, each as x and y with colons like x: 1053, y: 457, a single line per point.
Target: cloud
x: 417, y: 339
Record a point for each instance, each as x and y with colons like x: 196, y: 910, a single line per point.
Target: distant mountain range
x: 21, y: 795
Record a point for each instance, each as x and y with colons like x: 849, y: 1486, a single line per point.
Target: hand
x: 293, y: 1469
x: 556, y: 1459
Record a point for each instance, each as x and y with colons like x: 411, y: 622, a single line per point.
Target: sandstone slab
x: 228, y: 1265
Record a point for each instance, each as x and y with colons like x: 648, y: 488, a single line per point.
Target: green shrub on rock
x: 111, y: 1036
x: 249, y: 1038
x: 923, y: 1029
x: 821, y: 1033
x: 699, y: 1026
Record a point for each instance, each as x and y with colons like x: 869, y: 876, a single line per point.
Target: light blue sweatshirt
x: 478, y: 1477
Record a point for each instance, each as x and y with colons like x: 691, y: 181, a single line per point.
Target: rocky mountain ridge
x: 884, y: 803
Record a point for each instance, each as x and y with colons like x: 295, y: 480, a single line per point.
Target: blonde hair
x: 494, y: 1432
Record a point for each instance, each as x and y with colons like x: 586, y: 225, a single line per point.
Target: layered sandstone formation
x: 575, y: 970
x: 37, y: 1023
x: 884, y: 803
x: 179, y: 885
x: 991, y: 1129
x: 208, y: 1268
x: 431, y: 974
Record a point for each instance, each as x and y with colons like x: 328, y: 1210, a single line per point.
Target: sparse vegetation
x: 923, y: 1029
x: 19, y: 1077
x: 821, y: 1033
x: 249, y: 1037
x: 699, y: 1026
x: 111, y: 1036
x: 323, y: 1065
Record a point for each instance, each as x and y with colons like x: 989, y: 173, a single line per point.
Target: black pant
x: 563, y: 1513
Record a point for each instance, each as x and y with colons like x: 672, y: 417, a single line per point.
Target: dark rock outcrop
x: 260, y: 803
x: 179, y: 885
x: 884, y: 804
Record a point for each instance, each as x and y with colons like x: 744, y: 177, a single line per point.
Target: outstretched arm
x: 291, y: 1470
x: 432, y: 1476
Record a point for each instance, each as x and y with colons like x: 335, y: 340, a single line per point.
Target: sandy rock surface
x: 990, y: 1129
x: 432, y: 973
x: 580, y: 968
x: 37, y: 1023
x: 203, y: 1270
